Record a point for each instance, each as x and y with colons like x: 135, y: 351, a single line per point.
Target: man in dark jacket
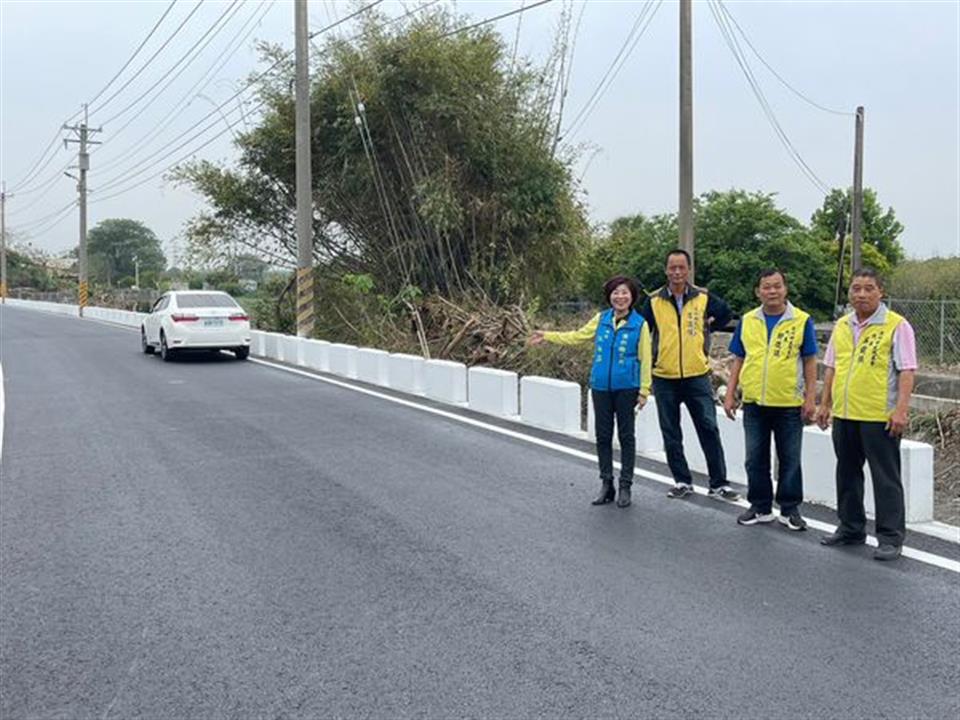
x: 681, y: 316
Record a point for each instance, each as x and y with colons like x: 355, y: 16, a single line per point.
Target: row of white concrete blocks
x: 556, y: 405
x: 550, y: 404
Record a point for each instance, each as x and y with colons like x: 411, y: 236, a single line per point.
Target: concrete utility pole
x: 304, y: 180
x: 83, y: 164
x: 3, y: 243
x: 856, y: 221
x: 686, y: 131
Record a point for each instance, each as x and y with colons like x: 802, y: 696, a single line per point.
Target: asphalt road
x: 211, y: 538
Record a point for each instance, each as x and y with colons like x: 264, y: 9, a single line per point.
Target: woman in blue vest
x: 619, y: 378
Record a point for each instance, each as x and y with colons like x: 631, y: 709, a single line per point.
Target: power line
x: 226, y: 15
x: 738, y: 55
x: 231, y: 49
x: 36, y: 169
x: 135, y: 53
x: 141, y: 167
x: 777, y: 75
x: 487, y: 21
x: 149, y: 60
x: 344, y: 19
x: 187, y: 155
x: 41, y: 220
x: 640, y: 25
x: 250, y: 83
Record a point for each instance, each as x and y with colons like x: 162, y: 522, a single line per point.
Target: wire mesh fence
x: 936, y: 324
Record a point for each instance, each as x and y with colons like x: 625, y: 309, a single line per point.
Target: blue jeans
x: 785, y: 425
x: 697, y: 394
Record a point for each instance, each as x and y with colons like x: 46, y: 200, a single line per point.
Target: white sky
x: 901, y: 60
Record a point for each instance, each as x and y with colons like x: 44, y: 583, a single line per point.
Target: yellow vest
x: 680, y: 344
x: 861, y: 383
x: 772, y: 373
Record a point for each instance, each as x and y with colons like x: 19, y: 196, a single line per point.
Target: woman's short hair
x: 616, y: 281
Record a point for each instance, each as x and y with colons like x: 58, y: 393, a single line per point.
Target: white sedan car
x: 195, y: 320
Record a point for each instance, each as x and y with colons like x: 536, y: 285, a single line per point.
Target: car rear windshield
x: 205, y: 300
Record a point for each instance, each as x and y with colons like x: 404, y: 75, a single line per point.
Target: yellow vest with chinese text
x: 681, y: 337
x: 862, y: 370
x: 772, y: 373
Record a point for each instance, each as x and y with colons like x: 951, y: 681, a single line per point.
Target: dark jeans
x: 606, y: 406
x: 856, y: 441
x: 697, y: 394
x: 785, y: 424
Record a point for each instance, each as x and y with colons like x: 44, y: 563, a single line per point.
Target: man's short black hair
x: 868, y: 272
x: 616, y: 281
x: 678, y: 251
x: 770, y: 272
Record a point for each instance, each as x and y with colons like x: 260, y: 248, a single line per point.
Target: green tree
x: 881, y: 229
x: 113, y: 244
x: 737, y: 234
x: 434, y: 167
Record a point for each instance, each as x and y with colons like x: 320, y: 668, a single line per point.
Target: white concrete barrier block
x: 256, y: 342
x: 493, y: 391
x: 372, y: 366
x: 271, y: 345
x: 734, y: 446
x: 445, y: 380
x: 343, y: 360
x: 916, y: 470
x: 316, y: 355
x: 916, y: 467
x: 290, y: 349
x: 649, y: 439
x: 550, y: 404
x: 405, y: 373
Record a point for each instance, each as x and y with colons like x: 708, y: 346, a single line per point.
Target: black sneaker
x: 680, y: 490
x: 723, y: 493
x: 793, y: 521
x: 752, y: 517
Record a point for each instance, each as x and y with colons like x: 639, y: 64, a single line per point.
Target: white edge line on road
x: 921, y: 555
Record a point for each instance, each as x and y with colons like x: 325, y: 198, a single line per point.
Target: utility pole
x: 136, y: 272
x: 686, y: 131
x: 304, y: 180
x: 3, y: 243
x: 83, y: 164
x: 856, y: 221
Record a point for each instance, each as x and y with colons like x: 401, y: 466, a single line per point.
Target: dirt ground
x: 942, y: 430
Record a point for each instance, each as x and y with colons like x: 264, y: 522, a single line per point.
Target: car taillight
x: 181, y: 317
x: 239, y: 318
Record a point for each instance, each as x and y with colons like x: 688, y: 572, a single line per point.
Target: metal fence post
x: 943, y: 306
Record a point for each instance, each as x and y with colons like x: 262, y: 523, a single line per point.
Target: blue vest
x: 615, y: 362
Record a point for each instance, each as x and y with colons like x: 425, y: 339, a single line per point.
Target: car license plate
x: 213, y: 322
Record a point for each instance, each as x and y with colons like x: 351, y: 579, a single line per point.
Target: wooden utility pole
x: 686, y: 131
x: 856, y: 220
x: 305, y: 312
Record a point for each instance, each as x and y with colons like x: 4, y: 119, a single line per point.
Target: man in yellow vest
x: 776, y: 366
x: 680, y: 317
x: 870, y: 364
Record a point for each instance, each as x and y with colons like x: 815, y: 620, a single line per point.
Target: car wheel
x: 144, y: 345
x: 165, y: 352
x: 241, y: 352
